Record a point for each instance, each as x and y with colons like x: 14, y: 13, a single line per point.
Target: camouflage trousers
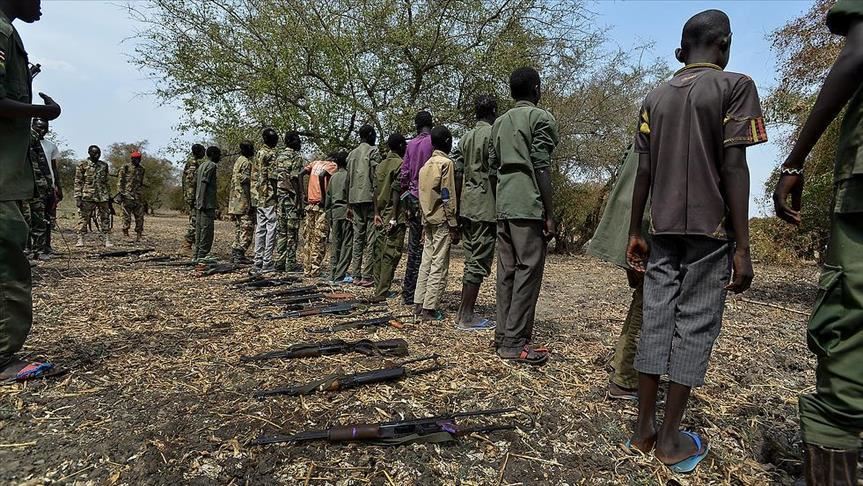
x: 287, y: 233
x: 244, y: 229
x: 190, y: 230
x: 87, y: 209
x: 315, y: 229
x: 130, y: 209
x: 34, y: 216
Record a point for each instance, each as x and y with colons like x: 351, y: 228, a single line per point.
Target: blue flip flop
x: 690, y: 463
x: 481, y: 325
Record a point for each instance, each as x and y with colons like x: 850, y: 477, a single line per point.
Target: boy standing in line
x: 692, y: 137
x: 285, y: 175
x: 206, y: 204
x: 362, y: 162
x: 417, y: 153
x: 831, y: 418
x: 240, y: 204
x: 389, y: 219
x: 522, y: 141
x: 341, y: 230
x: 476, y: 210
x: 190, y: 177
x: 437, y: 201
x: 315, y: 227
x: 263, y: 194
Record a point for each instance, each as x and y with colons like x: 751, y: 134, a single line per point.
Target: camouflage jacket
x: 190, y: 172
x: 263, y: 177
x: 288, y: 165
x: 241, y: 199
x: 91, y: 181
x: 41, y: 169
x: 131, y: 186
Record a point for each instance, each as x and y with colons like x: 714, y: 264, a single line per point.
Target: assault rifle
x: 366, y: 347
x: 219, y: 269
x: 124, y: 253
x: 345, y: 307
x: 294, y: 301
x: 442, y: 428
x: 387, y: 320
x: 304, y: 289
x: 336, y: 382
x: 262, y: 283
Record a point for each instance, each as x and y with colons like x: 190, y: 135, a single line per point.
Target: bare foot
x: 645, y: 445
x: 678, y: 448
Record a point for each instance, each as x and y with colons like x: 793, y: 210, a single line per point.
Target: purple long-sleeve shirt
x: 418, y: 152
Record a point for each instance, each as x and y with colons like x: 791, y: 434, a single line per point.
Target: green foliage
x: 806, y: 50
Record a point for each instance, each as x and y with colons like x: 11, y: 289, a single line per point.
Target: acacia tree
x: 806, y: 50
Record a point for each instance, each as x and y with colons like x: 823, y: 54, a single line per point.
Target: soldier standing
x: 131, y: 194
x: 264, y: 200
x: 389, y: 216
x: 362, y: 162
x: 240, y: 204
x: 288, y: 165
x: 52, y: 154
x: 315, y: 226
x: 205, y: 202
x: 91, y: 195
x: 190, y: 173
x: 16, y: 186
x: 34, y: 209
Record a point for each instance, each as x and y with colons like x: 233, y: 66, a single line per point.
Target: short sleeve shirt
x: 16, y: 176
x: 316, y: 169
x: 685, y: 125
x: 522, y: 141
x: 848, y: 170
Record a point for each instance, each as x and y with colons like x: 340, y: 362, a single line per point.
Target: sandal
x: 35, y: 371
x: 480, y: 325
x: 690, y: 463
x: 528, y: 355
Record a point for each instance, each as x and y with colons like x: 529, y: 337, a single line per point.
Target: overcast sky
x: 89, y: 67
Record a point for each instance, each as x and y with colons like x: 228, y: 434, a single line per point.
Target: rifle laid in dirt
x: 175, y: 263
x: 294, y: 301
x: 124, y: 253
x: 387, y: 320
x: 429, y: 430
x: 220, y: 269
x: 366, y: 347
x: 262, y: 283
x: 344, y: 307
x: 304, y: 289
x: 336, y: 382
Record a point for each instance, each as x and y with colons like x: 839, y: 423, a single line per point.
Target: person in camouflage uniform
x: 315, y: 226
x: 34, y: 209
x: 131, y: 195
x: 240, y: 203
x: 288, y: 165
x: 190, y: 172
x: 91, y: 195
x: 263, y: 194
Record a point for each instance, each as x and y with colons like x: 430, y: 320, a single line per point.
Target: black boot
x: 829, y: 467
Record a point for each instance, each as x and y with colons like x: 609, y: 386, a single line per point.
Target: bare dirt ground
x: 156, y: 393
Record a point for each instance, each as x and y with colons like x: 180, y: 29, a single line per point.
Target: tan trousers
x: 434, y: 268
x: 314, y: 234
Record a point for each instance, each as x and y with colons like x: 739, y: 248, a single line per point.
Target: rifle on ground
x: 219, y: 269
x: 289, y: 291
x: 176, y: 263
x: 124, y: 253
x: 442, y: 428
x: 161, y: 258
x: 387, y: 320
x: 366, y: 347
x: 294, y: 301
x: 341, y: 308
x: 336, y: 382
x: 263, y: 283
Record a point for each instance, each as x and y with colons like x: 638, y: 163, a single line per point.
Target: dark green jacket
x: 16, y: 172
x: 205, y: 194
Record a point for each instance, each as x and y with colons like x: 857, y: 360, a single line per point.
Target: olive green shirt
x: 337, y: 196
x: 240, y: 201
x: 388, y: 185
x: 91, y: 181
x: 16, y: 172
x: 205, y: 194
x: 471, y: 164
x: 131, y: 184
x: 362, y: 162
x: 263, y: 176
x: 848, y: 171
x: 522, y: 141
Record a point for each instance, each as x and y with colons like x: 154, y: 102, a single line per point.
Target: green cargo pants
x: 341, y: 247
x: 832, y: 417
x: 477, y: 239
x: 362, y: 255
x: 205, y: 227
x: 625, y: 374
x: 390, y: 245
x: 16, y: 305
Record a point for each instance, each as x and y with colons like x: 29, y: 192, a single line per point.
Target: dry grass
x: 157, y: 395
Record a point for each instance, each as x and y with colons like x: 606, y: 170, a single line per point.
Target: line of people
x: 491, y: 191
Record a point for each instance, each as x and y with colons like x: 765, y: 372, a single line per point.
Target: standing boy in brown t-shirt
x: 692, y: 137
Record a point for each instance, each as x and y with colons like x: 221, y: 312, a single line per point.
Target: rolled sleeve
x: 744, y: 121
x: 544, y: 141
